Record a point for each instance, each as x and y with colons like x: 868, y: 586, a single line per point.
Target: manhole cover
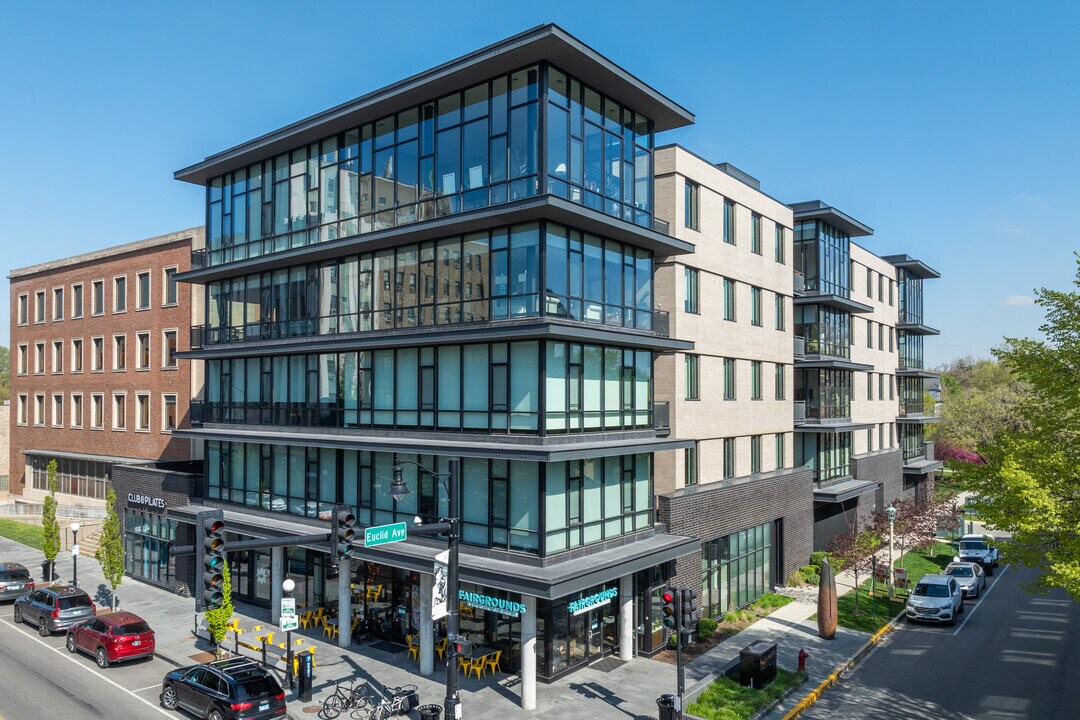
x: 313, y: 709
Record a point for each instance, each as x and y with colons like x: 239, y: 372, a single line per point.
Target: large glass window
x: 827, y: 393
x: 822, y: 255
x: 690, y: 299
x: 736, y: 570
x: 827, y: 331
x: 828, y: 453
x: 691, y: 205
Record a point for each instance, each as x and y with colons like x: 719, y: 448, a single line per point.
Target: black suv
x: 15, y: 581
x: 235, y: 689
x: 54, y: 609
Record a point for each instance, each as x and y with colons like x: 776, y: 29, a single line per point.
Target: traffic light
x: 342, y: 521
x: 670, y: 609
x: 211, y: 548
x: 690, y: 611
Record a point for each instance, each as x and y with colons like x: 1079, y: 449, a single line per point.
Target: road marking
x: 62, y: 652
x: 149, y: 687
x: 968, y: 612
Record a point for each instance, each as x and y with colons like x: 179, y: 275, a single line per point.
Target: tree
x: 1030, y: 482
x: 852, y: 553
x: 51, y: 541
x: 110, y: 551
x: 979, y: 399
x: 5, y: 374
x: 906, y: 530
x: 218, y: 619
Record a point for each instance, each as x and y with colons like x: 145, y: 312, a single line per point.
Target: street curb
x: 848, y: 664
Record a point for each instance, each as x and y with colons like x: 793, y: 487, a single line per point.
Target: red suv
x: 112, y: 638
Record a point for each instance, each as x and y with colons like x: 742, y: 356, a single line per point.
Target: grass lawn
x: 26, y: 533
x: 725, y: 699
x: 873, y: 613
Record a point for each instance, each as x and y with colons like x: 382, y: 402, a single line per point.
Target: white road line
x: 62, y: 652
x: 150, y: 687
x: 968, y: 612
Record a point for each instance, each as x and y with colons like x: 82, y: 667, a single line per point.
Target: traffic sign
x: 383, y: 534
x: 289, y: 622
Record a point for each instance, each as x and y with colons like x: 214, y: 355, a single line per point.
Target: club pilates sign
x: 585, y: 604
x: 146, y: 501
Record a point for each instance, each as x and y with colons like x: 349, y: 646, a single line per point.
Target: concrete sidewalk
x: 608, y: 690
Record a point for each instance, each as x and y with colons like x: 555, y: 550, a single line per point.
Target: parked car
x: 54, y: 609
x: 234, y: 689
x: 977, y: 548
x: 936, y: 598
x: 969, y: 575
x: 15, y: 581
x: 112, y: 638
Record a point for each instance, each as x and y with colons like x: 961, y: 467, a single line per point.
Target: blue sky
x: 950, y: 128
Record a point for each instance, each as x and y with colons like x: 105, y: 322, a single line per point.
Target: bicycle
x: 356, y: 698
x: 394, y: 701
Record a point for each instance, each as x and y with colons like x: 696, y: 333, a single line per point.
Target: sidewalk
x: 608, y: 690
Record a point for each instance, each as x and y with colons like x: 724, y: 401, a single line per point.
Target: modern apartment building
x: 736, y: 487
x: 458, y: 265
x: 95, y: 377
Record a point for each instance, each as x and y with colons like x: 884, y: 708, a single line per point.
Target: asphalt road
x: 1012, y: 655
x: 43, y: 680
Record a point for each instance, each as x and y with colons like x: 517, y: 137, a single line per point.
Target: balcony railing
x: 799, y: 282
x: 800, y: 346
x: 800, y: 412
x: 661, y: 415
x: 661, y: 226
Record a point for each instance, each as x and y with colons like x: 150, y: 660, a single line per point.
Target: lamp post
x: 287, y: 586
x: 449, y: 480
x: 890, y: 512
x: 75, y: 554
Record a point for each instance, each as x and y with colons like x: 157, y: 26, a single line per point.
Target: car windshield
x: 14, y: 576
x: 926, y: 590
x: 973, y: 545
x: 258, y: 686
x: 960, y: 571
x: 75, y: 601
x: 135, y: 628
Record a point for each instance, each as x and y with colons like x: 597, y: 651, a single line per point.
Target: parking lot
x: 971, y: 609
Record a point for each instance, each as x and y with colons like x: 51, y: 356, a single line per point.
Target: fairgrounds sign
x: 585, y: 604
x: 494, y: 604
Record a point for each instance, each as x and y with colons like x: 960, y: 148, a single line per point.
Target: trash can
x: 429, y: 712
x: 665, y: 705
x: 757, y: 664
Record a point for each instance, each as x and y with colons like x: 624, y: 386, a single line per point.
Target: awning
x: 111, y: 459
x: 922, y: 466
x: 844, y: 490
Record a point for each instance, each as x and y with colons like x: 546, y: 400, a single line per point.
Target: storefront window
x: 147, y: 541
x: 736, y: 569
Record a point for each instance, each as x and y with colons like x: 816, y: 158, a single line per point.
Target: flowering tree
x: 853, y: 552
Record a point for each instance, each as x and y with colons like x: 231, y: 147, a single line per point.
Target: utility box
x: 757, y: 664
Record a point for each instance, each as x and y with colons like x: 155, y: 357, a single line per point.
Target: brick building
x: 95, y: 378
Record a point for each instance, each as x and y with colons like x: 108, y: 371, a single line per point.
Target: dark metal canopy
x: 844, y: 490
x: 916, y: 267
x: 817, y: 210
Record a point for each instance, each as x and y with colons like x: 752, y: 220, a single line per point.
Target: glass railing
x: 800, y: 346
x: 800, y: 411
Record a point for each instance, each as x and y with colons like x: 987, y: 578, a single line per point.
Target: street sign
x: 383, y: 534
x: 289, y: 622
x: 74, y: 550
x: 900, y: 577
x: 288, y: 606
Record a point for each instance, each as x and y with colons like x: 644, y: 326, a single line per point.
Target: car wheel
x: 43, y: 627
x: 215, y: 714
x: 72, y: 646
x: 102, y: 658
x: 168, y: 697
x: 952, y: 620
x: 17, y: 615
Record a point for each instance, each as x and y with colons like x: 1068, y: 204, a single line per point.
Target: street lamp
x: 287, y: 586
x: 75, y: 554
x: 890, y: 512
x: 449, y: 480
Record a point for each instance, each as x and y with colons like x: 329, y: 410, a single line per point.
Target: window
x: 76, y: 410
x: 97, y: 359
x: 881, y: 336
x: 120, y: 294
x: 880, y: 287
x: 729, y: 222
x: 869, y: 386
x: 780, y: 379
x: 119, y: 411
x: 39, y: 358
x: 168, y: 286
x: 168, y: 348
x: 142, y: 412
x: 755, y: 306
x: 21, y: 416
x: 870, y: 439
x: 39, y: 306
x: 58, y: 304
x: 755, y: 454
x: 890, y: 292
x: 168, y: 412
x: 24, y: 311
x: 869, y: 333
x: 58, y: 356
x: 729, y: 299
x: 755, y: 233
x: 99, y: 298
x: 755, y: 379
x: 690, y: 457
x: 77, y: 300
x: 76, y: 355
x: 779, y: 243
x: 22, y: 360
x: 891, y: 347
x: 58, y: 410
x: 779, y: 443
x: 142, y: 281
x: 691, y: 203
x: 97, y: 411
x: 119, y: 352
x: 729, y: 378
x: 729, y: 458
x: 892, y: 388
x: 692, y: 377
x: 881, y: 386
x: 781, y: 307
x: 690, y: 302
x: 39, y: 409
x: 869, y: 282
x: 142, y: 350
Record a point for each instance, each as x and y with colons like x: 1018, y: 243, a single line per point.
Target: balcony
x: 800, y: 412
x: 800, y: 347
x: 799, y: 283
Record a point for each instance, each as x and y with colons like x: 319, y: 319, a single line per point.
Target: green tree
x: 217, y: 619
x: 1030, y: 482
x: 110, y: 551
x: 979, y: 399
x: 51, y: 546
x: 5, y: 374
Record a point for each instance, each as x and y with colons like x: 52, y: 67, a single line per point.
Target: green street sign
x: 383, y: 534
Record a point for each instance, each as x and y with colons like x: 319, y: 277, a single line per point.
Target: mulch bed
x: 724, y: 630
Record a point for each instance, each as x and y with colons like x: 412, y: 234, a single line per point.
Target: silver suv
x: 936, y: 598
x: 54, y: 609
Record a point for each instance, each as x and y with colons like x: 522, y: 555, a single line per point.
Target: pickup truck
x: 977, y: 548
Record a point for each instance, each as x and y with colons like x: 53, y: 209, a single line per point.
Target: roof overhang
x: 922, y: 466
x: 111, y: 459
x: 817, y: 210
x: 545, y: 42
x: 832, y: 426
x: 917, y: 419
x: 916, y: 372
x: 830, y: 363
x: 844, y: 490
x: 915, y: 267
x: 834, y: 301
x: 917, y: 329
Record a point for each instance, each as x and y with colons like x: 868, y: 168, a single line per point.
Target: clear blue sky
x: 950, y: 128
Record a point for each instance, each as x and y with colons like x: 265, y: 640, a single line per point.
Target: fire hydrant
x: 802, y: 659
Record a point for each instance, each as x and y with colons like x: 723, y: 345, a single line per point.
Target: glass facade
x: 736, y: 570
x: 467, y: 150
x: 827, y: 330
x: 912, y: 440
x: 910, y: 349
x: 86, y: 478
x: 491, y: 275
x: 827, y: 393
x: 828, y: 453
x: 823, y: 256
x: 148, y: 538
x: 911, y: 296
x: 911, y: 396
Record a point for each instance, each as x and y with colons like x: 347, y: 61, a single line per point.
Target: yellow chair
x: 373, y: 593
x: 330, y: 631
x: 464, y: 663
x: 476, y: 666
x: 491, y: 662
x: 440, y: 648
x: 305, y: 619
x: 414, y: 650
